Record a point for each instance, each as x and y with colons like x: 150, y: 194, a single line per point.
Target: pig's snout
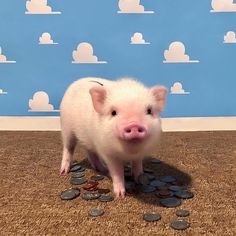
x: 133, y: 132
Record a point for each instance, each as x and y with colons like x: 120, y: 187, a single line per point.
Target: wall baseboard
x: 52, y: 123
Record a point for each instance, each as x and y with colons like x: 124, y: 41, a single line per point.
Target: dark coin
x: 162, y: 187
x: 143, y: 179
x: 104, y: 190
x: 96, y: 212
x: 157, y: 183
x: 97, y: 177
x: 182, y: 213
x: 82, y: 169
x: 90, y: 195
x: 147, y: 189
x: 175, y: 188
x: 147, y: 170
x: 78, y: 181
x: 168, y: 179
x: 155, y: 161
x: 184, y: 194
x: 77, y: 174
x: 151, y: 177
x: 170, y: 202
x: 179, y: 224
x: 68, y: 194
x: 105, y: 198
x: 164, y: 193
x: 75, y: 167
x: 151, y: 217
x: 91, y: 186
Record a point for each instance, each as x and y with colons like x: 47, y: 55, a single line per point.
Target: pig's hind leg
x: 96, y: 163
x: 69, y: 143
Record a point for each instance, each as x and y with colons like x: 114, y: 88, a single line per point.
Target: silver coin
x: 96, y: 212
x: 175, y: 188
x: 155, y: 161
x: 167, y: 179
x: 68, y: 194
x: 77, y: 174
x: 184, y: 194
x: 170, y: 202
x: 97, y: 177
x: 151, y: 216
x: 106, y: 198
x: 157, y: 183
x: 77, y: 181
x: 179, y: 224
x: 90, y: 195
x: 151, y: 177
x: 182, y: 213
x: 147, y: 189
x: 75, y: 167
x: 143, y: 179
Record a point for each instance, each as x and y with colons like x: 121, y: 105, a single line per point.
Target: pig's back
x: 77, y: 112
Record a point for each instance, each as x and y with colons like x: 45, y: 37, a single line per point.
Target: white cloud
x: 177, y: 88
x: 131, y: 6
x: 230, y: 37
x: 137, y: 38
x: 40, y: 103
x: 3, y: 58
x: 39, y: 7
x: 84, y: 54
x: 2, y: 92
x: 46, y: 39
x: 223, y: 6
x: 176, y: 54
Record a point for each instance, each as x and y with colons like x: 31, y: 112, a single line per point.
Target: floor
x: 30, y: 187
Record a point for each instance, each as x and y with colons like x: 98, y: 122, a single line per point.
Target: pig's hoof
x: 65, y: 168
x: 119, y: 192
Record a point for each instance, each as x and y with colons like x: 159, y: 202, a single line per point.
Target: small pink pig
x: 115, y: 121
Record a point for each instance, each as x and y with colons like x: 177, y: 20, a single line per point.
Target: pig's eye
x: 113, y: 113
x: 149, y: 111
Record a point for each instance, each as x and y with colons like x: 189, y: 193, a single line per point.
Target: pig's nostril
x: 140, y: 130
x: 128, y: 130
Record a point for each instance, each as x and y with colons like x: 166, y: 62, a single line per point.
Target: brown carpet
x: 30, y: 184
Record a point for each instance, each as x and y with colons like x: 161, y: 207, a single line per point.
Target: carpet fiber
x: 30, y: 184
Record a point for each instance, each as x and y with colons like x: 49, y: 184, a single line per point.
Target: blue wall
x: 30, y: 67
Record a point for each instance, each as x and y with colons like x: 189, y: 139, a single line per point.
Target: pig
x: 115, y: 121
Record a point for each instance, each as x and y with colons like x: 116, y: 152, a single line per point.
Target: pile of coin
x: 167, y: 189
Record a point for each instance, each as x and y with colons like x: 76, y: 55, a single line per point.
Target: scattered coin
x: 155, y: 161
x: 179, y: 224
x: 77, y: 174
x: 82, y: 169
x: 91, y: 186
x: 175, y: 188
x: 164, y: 193
x: 90, y: 195
x: 78, y: 181
x: 184, y: 194
x: 147, y: 189
x: 106, y: 198
x: 75, y: 167
x: 147, y: 170
x: 96, y: 212
x: 76, y: 190
x: 104, y: 190
x: 151, y: 216
x: 170, y: 202
x: 143, y: 179
x: 182, y: 213
x: 167, y: 179
x: 97, y: 177
x: 157, y: 183
x: 151, y: 177
x: 68, y: 194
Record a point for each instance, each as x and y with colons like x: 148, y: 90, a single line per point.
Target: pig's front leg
x: 137, y: 169
x: 116, y: 170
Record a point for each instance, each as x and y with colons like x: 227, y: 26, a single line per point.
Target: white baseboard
x: 52, y: 123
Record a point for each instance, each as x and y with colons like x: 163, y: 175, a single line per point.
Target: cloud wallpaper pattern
x: 189, y: 46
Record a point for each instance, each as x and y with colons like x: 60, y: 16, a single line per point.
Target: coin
x: 91, y: 185
x: 77, y: 174
x: 182, y: 213
x: 143, y: 179
x: 151, y: 177
x: 164, y: 193
x: 78, y: 181
x: 147, y: 170
x: 90, y: 195
x: 104, y: 190
x: 151, y: 216
x: 75, y: 167
x: 97, y: 177
x: 82, y: 169
x: 147, y: 189
x: 175, y: 188
x: 106, y: 198
x: 167, y: 179
x: 68, y: 194
x: 170, y: 202
x: 96, y: 212
x: 184, y: 194
x: 179, y: 224
x: 155, y: 161
x: 157, y: 183
x: 130, y: 186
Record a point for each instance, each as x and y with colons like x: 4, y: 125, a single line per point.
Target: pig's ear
x: 98, y: 95
x: 159, y: 92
